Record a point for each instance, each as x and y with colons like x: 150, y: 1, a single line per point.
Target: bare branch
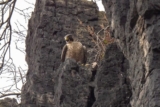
x: 5, y: 2
x: 9, y: 94
x: 13, y: 74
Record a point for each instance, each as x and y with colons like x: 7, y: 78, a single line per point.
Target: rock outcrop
x: 50, y: 22
x: 112, y: 88
x: 135, y: 26
x: 72, y: 85
x: 127, y: 76
x: 8, y: 102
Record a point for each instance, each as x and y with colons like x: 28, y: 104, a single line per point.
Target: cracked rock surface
x: 8, y: 102
x: 128, y: 75
x: 135, y: 26
x: 50, y: 22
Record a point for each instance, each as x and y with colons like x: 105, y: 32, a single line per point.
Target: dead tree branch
x: 7, y: 9
x: 9, y: 94
x: 9, y: 71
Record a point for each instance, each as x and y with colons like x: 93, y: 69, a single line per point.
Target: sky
x: 21, y: 5
x: 99, y: 4
x: 18, y: 56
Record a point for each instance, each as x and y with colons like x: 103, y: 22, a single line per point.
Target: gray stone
x: 72, y: 89
x: 8, y: 102
x: 50, y: 22
x: 128, y: 76
x: 112, y: 87
x: 135, y: 27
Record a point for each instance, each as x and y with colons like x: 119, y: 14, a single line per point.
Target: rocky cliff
x: 8, y: 102
x: 127, y: 76
x: 50, y: 22
x: 135, y: 25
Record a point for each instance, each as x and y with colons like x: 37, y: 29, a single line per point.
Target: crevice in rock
x: 62, y: 97
x: 93, y: 75
x: 123, y: 20
x: 134, y: 20
x: 126, y: 81
x: 93, y: 19
x: 134, y: 17
x: 143, y: 80
x: 149, y: 13
x: 128, y: 92
x: 55, y: 32
x: 156, y: 50
x: 91, y: 97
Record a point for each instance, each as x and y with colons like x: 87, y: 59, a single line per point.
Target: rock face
x: 50, y: 22
x: 128, y: 75
x: 112, y: 88
x: 135, y: 25
x: 72, y: 86
x: 8, y: 102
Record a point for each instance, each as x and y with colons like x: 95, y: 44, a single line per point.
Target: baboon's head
x: 68, y: 38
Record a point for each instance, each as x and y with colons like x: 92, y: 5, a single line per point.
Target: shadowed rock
x: 112, y: 87
x: 127, y: 77
x: 8, y: 102
x: 72, y: 89
x: 50, y: 22
x: 135, y: 27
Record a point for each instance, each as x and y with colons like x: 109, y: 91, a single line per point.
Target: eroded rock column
x: 50, y: 22
x: 135, y: 25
